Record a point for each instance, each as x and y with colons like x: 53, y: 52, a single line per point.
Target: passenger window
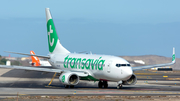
x: 118, y: 65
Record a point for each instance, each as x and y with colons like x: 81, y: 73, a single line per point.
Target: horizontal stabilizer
x: 47, y: 57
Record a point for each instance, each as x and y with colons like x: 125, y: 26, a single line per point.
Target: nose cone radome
x: 128, y: 72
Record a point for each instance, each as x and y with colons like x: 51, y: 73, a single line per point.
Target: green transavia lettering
x: 79, y: 63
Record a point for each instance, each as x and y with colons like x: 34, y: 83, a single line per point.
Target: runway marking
x: 172, y: 78
x: 12, y: 84
x: 52, y: 79
x: 147, y: 74
x: 165, y: 76
x: 147, y: 77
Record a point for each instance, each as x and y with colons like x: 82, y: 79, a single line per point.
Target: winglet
x: 173, y: 56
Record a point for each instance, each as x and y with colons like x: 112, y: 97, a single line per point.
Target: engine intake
x: 69, y: 78
x: 131, y: 81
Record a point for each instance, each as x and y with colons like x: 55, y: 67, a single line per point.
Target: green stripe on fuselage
x: 89, y: 78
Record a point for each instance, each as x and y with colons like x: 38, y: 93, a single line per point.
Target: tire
x: 105, y: 84
x: 100, y: 84
x: 66, y: 86
x: 119, y: 86
x: 72, y: 86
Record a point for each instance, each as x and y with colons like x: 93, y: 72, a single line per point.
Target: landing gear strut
x: 103, y: 84
x: 119, y: 86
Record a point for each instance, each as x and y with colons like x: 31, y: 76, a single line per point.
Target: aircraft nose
x: 128, y: 72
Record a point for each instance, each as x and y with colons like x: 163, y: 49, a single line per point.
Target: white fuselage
x: 103, y: 67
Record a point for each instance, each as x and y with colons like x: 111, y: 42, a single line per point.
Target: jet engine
x: 69, y: 78
x: 131, y: 81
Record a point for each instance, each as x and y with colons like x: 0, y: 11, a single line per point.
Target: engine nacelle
x: 69, y: 78
x: 131, y: 81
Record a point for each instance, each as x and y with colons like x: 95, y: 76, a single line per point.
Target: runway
x: 13, y: 82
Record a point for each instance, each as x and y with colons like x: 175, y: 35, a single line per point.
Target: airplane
x: 37, y: 62
x: 73, y: 67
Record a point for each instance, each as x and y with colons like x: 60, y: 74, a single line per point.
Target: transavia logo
x: 52, y: 35
x: 173, y: 57
x: 84, y: 63
x: 49, y: 33
x: 63, y: 78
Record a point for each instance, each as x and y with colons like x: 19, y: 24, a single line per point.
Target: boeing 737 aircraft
x: 73, y: 67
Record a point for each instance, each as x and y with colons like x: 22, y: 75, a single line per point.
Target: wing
x: 42, y: 69
x: 157, y: 65
x: 33, y: 68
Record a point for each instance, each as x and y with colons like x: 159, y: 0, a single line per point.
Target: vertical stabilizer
x: 53, y: 41
x: 35, y: 60
x: 173, y: 56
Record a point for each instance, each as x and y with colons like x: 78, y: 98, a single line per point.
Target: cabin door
x: 109, y: 67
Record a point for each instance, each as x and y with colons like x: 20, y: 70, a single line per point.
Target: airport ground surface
x: 150, y: 85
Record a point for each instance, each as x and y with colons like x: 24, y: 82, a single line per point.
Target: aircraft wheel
x: 66, y: 86
x: 72, y: 86
x: 119, y: 86
x: 100, y: 84
x: 105, y: 83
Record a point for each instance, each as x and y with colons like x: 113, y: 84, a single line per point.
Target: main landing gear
x: 103, y: 84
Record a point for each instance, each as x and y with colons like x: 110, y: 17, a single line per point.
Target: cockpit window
x: 123, y: 64
x: 119, y: 65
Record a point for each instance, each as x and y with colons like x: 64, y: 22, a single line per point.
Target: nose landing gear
x: 103, y: 84
x: 119, y: 86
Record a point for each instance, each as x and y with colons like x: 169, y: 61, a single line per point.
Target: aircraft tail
x: 35, y: 60
x: 173, y: 56
x: 53, y: 40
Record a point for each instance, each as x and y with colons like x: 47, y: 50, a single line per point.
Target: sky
x: 111, y: 27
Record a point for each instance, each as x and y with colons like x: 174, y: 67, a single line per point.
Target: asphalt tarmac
x: 31, y: 83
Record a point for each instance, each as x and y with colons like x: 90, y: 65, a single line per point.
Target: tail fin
x: 35, y: 60
x: 173, y: 56
x: 53, y: 41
